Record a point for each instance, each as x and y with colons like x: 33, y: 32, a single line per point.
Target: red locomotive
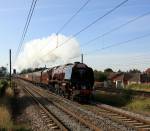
x: 74, y: 81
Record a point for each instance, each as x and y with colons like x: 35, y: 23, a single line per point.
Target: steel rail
x: 76, y: 116
x: 48, y: 113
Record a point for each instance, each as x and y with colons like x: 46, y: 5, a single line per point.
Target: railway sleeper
x: 51, y: 124
x: 48, y: 121
x: 121, y: 117
x: 44, y: 116
x: 126, y: 119
x: 146, y: 129
x: 138, y: 124
x: 111, y: 114
x: 54, y: 127
x: 131, y: 121
x: 145, y: 126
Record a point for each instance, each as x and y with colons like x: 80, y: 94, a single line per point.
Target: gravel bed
x: 67, y: 120
x: 30, y: 113
x: 103, y: 122
x: 126, y: 112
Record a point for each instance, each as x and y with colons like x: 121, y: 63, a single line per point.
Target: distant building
x: 145, y: 78
x: 147, y: 71
x: 134, y: 78
x: 118, y: 79
x: 123, y: 79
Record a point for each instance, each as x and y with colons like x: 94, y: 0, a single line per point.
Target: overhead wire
x: 113, y: 45
x: 116, y: 28
x: 120, y: 43
x: 89, y: 25
x: 30, y: 14
x: 71, y: 18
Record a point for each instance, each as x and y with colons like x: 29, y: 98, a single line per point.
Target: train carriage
x: 44, y: 77
x: 36, y: 77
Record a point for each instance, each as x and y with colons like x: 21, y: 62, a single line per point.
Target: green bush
x: 3, y: 86
x: 100, y: 76
x: 112, y: 99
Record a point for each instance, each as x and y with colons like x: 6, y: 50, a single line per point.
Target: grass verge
x: 140, y: 106
x: 140, y: 87
x: 6, y: 122
x: 112, y: 98
x: 6, y: 109
x: 124, y: 100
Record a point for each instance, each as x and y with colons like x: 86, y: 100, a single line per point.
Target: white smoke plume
x: 39, y: 51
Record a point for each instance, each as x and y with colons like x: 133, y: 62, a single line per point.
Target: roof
x: 133, y: 77
x: 147, y: 71
x: 115, y: 76
x: 119, y: 77
x: 125, y: 76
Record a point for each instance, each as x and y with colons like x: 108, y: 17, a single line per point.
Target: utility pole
x: 81, y: 58
x: 10, y: 66
x: 57, y: 40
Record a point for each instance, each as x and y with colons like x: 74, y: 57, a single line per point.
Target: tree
x: 108, y: 70
x: 29, y: 70
x: 100, y: 76
x: 134, y: 71
x: 24, y: 71
x: 3, y: 71
x: 119, y: 71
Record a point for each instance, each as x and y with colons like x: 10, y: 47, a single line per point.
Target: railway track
x: 121, y: 117
x: 128, y: 119
x: 132, y: 92
x: 135, y: 121
x: 84, y: 123
x: 51, y: 121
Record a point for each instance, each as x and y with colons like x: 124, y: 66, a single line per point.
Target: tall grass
x: 5, y: 106
x: 141, y: 105
x: 124, y: 100
x: 143, y: 87
x: 3, y: 86
x: 5, y: 118
x: 5, y: 110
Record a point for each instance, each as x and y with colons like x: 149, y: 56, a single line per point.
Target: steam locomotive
x: 74, y: 81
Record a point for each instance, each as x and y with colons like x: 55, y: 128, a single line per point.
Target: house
x: 118, y: 79
x: 134, y: 78
x: 147, y: 71
x: 123, y: 79
x: 145, y: 78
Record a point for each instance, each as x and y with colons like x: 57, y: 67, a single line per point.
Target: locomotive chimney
x: 81, y: 58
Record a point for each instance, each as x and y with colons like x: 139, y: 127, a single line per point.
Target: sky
x: 50, y: 15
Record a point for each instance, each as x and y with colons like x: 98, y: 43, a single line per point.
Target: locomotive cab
x: 82, y: 79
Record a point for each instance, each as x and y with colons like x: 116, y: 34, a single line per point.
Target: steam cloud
x: 39, y: 51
